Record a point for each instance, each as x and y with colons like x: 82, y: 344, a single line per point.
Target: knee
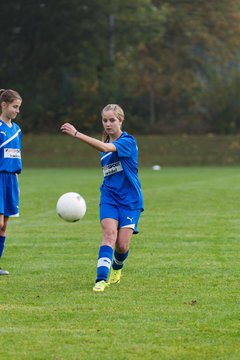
x: 109, y: 235
x: 3, y: 225
x: 122, y: 248
x: 4, y: 228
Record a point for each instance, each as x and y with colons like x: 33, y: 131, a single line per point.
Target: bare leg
x: 3, y: 228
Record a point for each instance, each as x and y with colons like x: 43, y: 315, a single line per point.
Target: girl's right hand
x: 68, y: 129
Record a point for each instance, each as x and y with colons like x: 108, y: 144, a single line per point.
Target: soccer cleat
x: 3, y: 272
x: 100, y: 286
x: 115, y: 276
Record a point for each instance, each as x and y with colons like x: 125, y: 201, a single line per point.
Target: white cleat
x: 3, y: 272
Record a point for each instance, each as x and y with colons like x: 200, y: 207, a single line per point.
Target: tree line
x: 172, y: 65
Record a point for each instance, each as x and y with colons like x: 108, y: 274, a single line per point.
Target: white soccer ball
x: 156, y: 167
x: 71, y: 207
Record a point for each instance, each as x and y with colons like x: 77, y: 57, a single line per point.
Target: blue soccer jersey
x: 121, y: 185
x: 10, y: 148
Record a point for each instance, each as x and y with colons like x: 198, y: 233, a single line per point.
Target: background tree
x: 165, y: 62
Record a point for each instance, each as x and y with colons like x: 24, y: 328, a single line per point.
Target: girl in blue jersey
x: 10, y: 161
x: 121, y: 201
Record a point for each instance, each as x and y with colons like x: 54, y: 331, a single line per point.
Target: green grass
x: 179, y: 295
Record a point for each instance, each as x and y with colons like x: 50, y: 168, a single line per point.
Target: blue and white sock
x: 2, y: 242
x: 104, y: 262
x: 118, y: 260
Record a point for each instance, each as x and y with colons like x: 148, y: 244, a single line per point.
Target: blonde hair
x: 119, y: 113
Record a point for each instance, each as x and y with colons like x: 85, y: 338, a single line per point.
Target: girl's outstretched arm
x: 69, y: 129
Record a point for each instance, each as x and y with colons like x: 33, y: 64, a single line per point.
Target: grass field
x: 179, y: 294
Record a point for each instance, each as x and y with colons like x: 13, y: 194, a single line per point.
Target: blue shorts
x: 126, y: 218
x: 9, y: 194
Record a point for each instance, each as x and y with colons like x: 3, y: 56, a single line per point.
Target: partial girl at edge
x: 10, y: 161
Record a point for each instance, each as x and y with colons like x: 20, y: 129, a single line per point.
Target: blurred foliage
x: 222, y: 100
x: 172, y: 65
x: 164, y: 150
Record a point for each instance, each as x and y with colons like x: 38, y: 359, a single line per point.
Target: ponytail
x: 105, y: 136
